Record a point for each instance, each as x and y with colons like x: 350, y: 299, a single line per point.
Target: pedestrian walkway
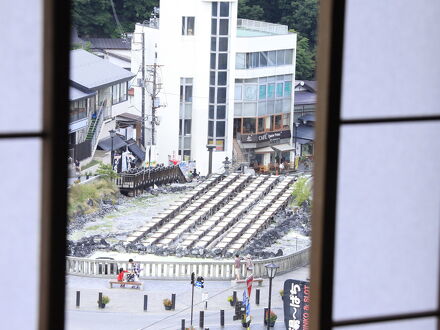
x: 125, y: 310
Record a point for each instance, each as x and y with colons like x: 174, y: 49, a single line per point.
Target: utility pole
x: 143, y: 91
x: 155, y: 90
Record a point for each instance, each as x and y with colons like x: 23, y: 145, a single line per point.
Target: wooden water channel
x: 132, y: 184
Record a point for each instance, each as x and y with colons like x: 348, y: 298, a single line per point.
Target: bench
x: 137, y: 284
x: 259, y: 280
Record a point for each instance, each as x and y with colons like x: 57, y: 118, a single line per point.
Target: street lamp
x: 226, y: 165
x: 271, y: 270
x: 112, y: 135
x: 296, y: 134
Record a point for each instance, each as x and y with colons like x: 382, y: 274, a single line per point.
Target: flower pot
x: 271, y: 324
x: 232, y: 303
x: 168, y: 308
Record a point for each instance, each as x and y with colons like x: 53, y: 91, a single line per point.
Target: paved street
x: 125, y: 310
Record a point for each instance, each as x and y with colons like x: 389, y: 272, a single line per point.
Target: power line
x: 185, y: 309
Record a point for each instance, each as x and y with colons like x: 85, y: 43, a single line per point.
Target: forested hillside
x: 94, y: 18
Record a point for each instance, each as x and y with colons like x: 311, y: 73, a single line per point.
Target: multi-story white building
x: 223, y: 81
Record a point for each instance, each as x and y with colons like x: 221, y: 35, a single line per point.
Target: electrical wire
x: 185, y: 309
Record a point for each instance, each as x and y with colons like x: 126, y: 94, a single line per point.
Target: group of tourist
x: 129, y: 275
x: 237, y: 265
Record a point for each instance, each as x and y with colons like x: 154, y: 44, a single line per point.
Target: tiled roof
x: 305, y: 97
x: 88, y: 71
x: 109, y: 43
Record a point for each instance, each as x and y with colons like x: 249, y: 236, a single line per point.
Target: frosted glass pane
x: 19, y: 243
x: 391, y: 62
x: 387, y: 225
x: 419, y: 324
x: 21, y: 65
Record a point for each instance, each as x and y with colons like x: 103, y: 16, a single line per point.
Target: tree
x: 302, y: 16
x: 305, y: 60
x: 245, y: 10
x: 302, y: 191
x: 94, y: 18
x: 106, y: 171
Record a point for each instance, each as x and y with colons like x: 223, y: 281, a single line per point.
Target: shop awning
x: 283, y: 147
x: 106, y: 144
x: 264, y: 150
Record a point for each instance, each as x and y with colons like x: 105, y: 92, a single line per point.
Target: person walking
x: 237, y: 266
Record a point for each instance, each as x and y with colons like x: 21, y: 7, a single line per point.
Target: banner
x: 296, y: 305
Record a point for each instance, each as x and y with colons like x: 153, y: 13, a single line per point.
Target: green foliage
x: 106, y: 171
x: 272, y: 316
x: 302, y: 191
x: 92, y: 163
x: 301, y: 16
x: 94, y: 18
x: 86, y: 46
x: 105, y: 300
x: 229, y: 299
x: 87, y: 197
x: 305, y: 60
x: 245, y: 10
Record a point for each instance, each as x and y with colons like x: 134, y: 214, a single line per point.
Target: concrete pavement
x: 125, y: 310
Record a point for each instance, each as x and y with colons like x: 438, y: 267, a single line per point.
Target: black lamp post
x: 112, y: 135
x: 271, y: 270
x: 296, y: 134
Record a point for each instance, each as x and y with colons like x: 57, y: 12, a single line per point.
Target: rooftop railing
x: 262, y: 26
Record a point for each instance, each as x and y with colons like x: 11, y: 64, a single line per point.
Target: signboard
x: 296, y: 305
x: 265, y: 137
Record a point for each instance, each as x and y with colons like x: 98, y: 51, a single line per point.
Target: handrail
x: 181, y: 270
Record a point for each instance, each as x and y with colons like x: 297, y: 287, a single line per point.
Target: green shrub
x: 302, y: 191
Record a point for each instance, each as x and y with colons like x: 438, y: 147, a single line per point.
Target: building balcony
x: 78, y: 124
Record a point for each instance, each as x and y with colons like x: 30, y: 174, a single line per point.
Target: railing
x: 97, y: 129
x: 147, y: 178
x: 181, y: 270
x: 262, y: 26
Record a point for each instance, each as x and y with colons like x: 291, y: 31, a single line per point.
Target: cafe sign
x: 297, y: 305
x: 265, y: 137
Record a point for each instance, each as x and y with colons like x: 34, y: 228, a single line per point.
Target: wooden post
x: 183, y: 324
x: 173, y: 301
x: 145, y: 302
x: 222, y: 318
x: 77, y: 298
x: 234, y: 298
x: 257, y: 296
x: 100, y: 300
x: 202, y: 319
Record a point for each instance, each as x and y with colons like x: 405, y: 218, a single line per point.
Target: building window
x: 263, y: 59
x: 249, y: 125
x: 218, y: 75
x: 119, y: 93
x: 186, y: 95
x: 188, y: 25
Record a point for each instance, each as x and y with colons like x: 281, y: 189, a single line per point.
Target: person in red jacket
x: 121, y: 276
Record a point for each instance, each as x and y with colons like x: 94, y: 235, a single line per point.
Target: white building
x: 210, y: 62
x: 98, y: 104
